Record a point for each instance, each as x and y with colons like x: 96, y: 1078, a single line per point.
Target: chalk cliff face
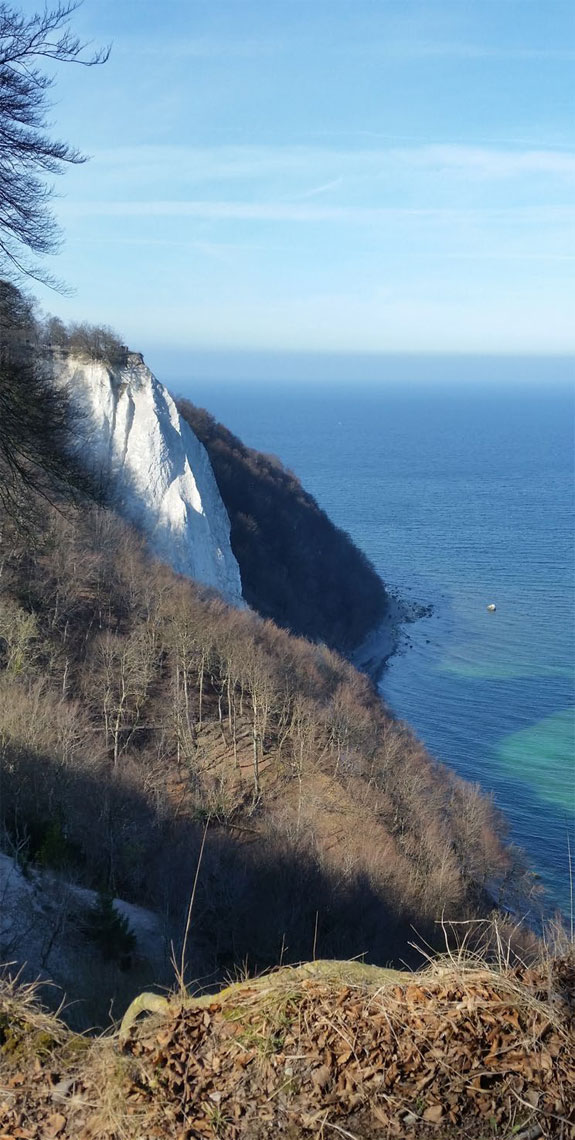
x: 159, y: 472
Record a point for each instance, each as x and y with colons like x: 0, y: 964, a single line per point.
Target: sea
x: 462, y: 495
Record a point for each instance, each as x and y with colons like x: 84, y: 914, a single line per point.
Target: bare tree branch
x: 27, y: 152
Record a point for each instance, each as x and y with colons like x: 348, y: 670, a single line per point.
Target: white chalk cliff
x: 160, y: 474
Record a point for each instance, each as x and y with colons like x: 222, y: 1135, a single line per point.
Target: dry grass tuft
x: 465, y: 1048
x: 25, y: 1026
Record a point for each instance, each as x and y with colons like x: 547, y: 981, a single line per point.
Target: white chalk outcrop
x: 159, y: 472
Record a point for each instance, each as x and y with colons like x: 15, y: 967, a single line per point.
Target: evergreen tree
x: 110, y: 931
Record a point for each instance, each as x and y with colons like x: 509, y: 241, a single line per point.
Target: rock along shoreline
x: 384, y: 641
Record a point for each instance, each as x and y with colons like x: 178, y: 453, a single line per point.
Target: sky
x: 338, y: 177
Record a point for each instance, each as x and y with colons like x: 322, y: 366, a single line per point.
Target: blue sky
x: 338, y: 176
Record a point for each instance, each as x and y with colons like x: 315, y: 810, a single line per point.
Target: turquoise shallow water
x: 461, y: 497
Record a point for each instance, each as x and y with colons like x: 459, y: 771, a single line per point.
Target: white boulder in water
x: 159, y: 472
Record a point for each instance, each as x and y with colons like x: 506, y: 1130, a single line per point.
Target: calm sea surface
x: 460, y: 497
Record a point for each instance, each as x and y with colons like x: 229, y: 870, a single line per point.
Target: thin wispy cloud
x: 496, y: 141
x: 490, y: 162
x: 236, y: 162
x: 294, y: 212
x: 207, y: 48
x: 437, y: 49
x: 202, y: 48
x: 316, y: 191
x: 242, y: 211
x: 503, y: 255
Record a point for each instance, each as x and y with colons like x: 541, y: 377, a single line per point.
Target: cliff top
x: 327, y: 1049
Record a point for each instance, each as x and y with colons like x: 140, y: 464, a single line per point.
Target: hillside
x: 151, y: 735
x: 296, y: 566
x: 137, y: 709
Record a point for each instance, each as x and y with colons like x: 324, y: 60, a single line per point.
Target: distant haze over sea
x: 180, y: 367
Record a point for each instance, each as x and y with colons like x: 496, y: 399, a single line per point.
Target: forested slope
x: 297, y: 567
x: 143, y: 721
x: 135, y: 710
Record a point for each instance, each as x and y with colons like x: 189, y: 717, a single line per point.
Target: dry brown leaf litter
x: 456, y: 1054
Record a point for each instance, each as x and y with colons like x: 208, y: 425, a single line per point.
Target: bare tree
x: 122, y: 672
x: 27, y: 153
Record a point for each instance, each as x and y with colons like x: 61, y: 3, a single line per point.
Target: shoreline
x: 384, y: 641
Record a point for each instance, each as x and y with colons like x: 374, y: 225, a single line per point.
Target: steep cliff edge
x: 297, y: 567
x: 158, y: 472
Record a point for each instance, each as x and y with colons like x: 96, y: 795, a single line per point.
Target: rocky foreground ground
x: 324, y: 1050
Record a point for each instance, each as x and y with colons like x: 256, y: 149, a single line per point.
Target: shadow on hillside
x: 259, y: 902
